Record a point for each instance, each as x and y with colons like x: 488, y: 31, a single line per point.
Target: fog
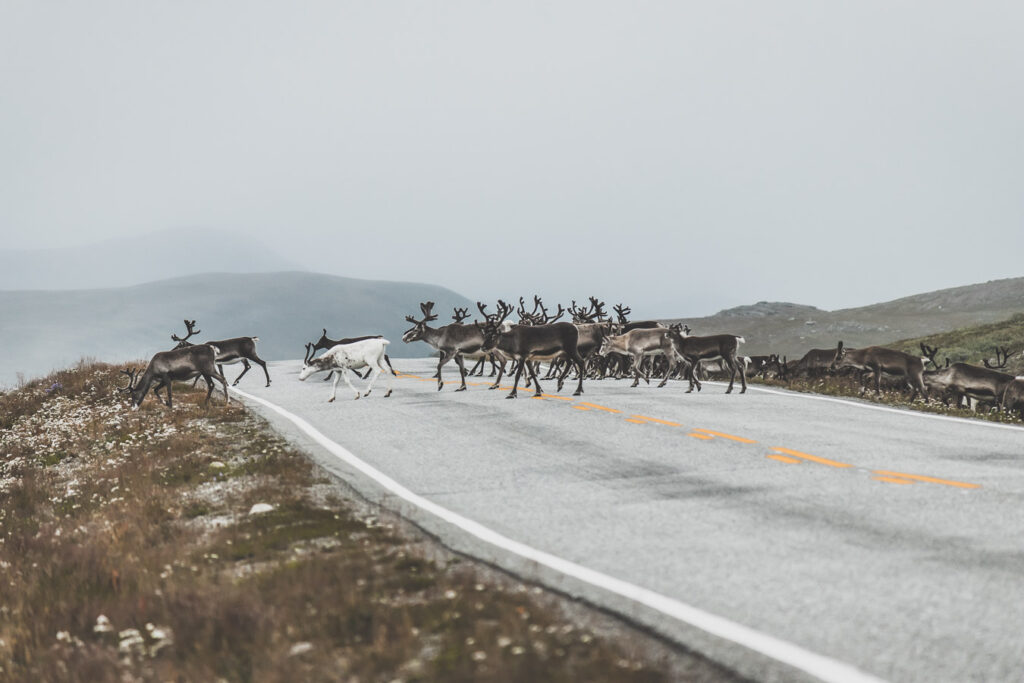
x: 680, y: 157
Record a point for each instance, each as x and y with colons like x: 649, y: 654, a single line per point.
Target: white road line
x: 821, y: 667
x: 868, y: 406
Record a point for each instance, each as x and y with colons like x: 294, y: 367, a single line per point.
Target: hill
x: 791, y: 329
x: 134, y: 260
x: 41, y: 330
x: 975, y: 343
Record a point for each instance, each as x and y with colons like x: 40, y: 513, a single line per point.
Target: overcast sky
x: 679, y: 156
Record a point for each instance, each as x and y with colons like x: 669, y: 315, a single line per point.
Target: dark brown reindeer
x: 178, y: 365
x: 229, y: 351
x: 878, y: 360
x: 694, y: 349
x: 1013, y: 397
x: 961, y: 380
x: 814, y: 363
x: 451, y: 340
x: 526, y: 343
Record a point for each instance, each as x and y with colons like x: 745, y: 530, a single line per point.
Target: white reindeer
x: 360, y: 354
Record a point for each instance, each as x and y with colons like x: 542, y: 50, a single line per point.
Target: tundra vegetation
x: 129, y: 551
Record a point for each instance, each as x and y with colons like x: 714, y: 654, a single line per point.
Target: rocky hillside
x: 791, y: 329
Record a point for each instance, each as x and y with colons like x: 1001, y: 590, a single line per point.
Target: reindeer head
x: 419, y: 328
x: 131, y: 374
x: 491, y: 327
x: 311, y: 366
x: 841, y: 352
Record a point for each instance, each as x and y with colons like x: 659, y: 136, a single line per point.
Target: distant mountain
x: 133, y: 260
x: 792, y: 329
x: 41, y: 330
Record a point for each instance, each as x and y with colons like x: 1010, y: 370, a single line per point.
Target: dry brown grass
x: 126, y: 553
x: 891, y: 395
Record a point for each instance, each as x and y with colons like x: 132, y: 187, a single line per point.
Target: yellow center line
x: 812, y: 458
x: 725, y: 436
x: 784, y: 458
x: 893, y: 480
x: 583, y: 405
x: 930, y: 480
x: 781, y: 454
x: 643, y: 419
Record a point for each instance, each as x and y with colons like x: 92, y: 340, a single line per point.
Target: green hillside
x: 975, y: 343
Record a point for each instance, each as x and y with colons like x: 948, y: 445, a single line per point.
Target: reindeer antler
x: 190, y: 326
x: 1000, y: 363
x: 598, y: 308
x: 460, y: 314
x: 929, y: 352
x: 426, y: 308
x: 622, y: 312
x: 131, y: 374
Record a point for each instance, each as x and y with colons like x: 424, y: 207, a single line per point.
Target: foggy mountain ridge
x: 126, y: 261
x: 44, y: 330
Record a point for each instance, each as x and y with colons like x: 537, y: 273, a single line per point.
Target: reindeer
x: 961, y: 380
x: 342, y: 357
x: 695, y: 349
x: 229, y: 351
x: 638, y: 344
x: 178, y: 365
x: 325, y: 343
x: 451, y: 340
x: 526, y: 343
x: 1013, y: 397
x: 815, y: 363
x: 878, y: 360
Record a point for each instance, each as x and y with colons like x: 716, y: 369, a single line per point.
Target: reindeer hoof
x: 330, y: 400
x: 511, y: 396
x: 493, y: 386
x: 439, y: 385
x: 578, y: 393
x: 356, y: 398
x: 462, y: 388
x: 387, y: 394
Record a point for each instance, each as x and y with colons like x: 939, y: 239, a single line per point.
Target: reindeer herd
x: 594, y: 345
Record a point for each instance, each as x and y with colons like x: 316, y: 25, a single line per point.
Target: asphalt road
x: 885, y: 540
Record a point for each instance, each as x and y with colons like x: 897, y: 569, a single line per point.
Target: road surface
x: 785, y: 535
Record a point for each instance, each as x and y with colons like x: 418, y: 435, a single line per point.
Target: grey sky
x: 681, y: 157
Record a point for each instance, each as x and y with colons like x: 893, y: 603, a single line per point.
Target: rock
x: 260, y: 508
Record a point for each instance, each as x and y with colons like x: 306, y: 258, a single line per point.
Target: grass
x: 127, y: 553
x: 973, y: 344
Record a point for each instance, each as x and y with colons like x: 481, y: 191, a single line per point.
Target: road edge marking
x: 867, y: 406
x: 820, y: 666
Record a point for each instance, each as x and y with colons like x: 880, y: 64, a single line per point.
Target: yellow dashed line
x: 812, y: 458
x: 930, y: 480
x: 724, y: 436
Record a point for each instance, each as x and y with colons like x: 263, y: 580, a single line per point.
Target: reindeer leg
x: 245, y: 365
x: 536, y: 384
x: 209, y: 388
x: 501, y: 373
x: 349, y: 382
x: 386, y: 374
x: 445, y: 357
x: 515, y: 385
x: 263, y: 365
x: 636, y: 370
x: 462, y: 370
x: 579, y: 362
x: 334, y: 387
x: 375, y: 371
x: 224, y: 382
x: 167, y: 381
